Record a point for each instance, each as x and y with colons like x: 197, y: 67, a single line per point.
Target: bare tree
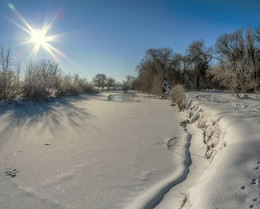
x: 16, y: 84
x: 18, y: 72
x: 182, y: 72
x: 230, y: 51
x: 5, y: 73
x: 200, y: 58
x: 100, y: 80
x: 111, y: 83
x: 128, y: 84
x: 257, y: 34
x: 163, y: 57
x: 238, y: 59
x: 147, y: 73
x: 252, y: 57
x: 157, y: 65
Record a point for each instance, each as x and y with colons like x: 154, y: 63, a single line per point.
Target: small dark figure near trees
x: 165, y: 86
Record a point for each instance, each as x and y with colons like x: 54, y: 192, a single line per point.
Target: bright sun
x: 38, y: 37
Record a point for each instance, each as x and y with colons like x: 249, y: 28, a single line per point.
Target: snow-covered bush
x: 178, y: 97
x: 9, y: 79
x: 44, y: 79
x: 41, y: 79
x: 73, y: 85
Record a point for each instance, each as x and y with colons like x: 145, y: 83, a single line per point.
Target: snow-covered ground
x: 230, y: 143
x: 87, y: 152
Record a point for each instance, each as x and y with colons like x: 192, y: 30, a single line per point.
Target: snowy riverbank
x: 230, y: 144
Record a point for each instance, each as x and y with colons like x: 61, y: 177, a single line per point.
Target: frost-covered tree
x: 230, y: 52
x: 253, y: 57
x: 6, y: 74
x: 238, y: 61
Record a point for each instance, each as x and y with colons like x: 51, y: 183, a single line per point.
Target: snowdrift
x: 231, y: 140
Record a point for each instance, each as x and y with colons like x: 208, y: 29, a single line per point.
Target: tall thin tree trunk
x: 234, y: 89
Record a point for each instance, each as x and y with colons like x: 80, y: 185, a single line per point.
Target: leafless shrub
x: 177, y: 95
x: 73, y: 85
x: 44, y: 80
x: 8, y: 79
x: 41, y: 78
x: 64, y: 85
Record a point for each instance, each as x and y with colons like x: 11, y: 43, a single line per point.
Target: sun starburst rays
x: 38, y: 38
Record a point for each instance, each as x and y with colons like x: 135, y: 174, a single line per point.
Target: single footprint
x: 258, y: 162
x: 257, y: 168
x: 251, y: 206
x: 243, y: 187
x: 11, y: 172
x: 254, y: 181
x: 255, y: 199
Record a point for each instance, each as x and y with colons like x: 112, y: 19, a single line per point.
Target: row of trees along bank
x: 233, y: 63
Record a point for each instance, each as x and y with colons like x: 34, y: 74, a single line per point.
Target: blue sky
x: 111, y: 36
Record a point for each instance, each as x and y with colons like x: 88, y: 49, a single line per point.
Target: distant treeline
x: 233, y: 63
x: 104, y: 82
x: 44, y: 79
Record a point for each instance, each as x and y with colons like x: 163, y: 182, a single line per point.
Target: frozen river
x: 87, y: 152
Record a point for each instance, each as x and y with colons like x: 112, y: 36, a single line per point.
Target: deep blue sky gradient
x: 111, y: 36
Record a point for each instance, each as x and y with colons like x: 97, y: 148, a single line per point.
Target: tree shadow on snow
x: 49, y: 114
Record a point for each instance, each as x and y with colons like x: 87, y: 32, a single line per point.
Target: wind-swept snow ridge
x: 153, y: 196
x: 231, y: 137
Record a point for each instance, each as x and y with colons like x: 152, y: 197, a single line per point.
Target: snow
x: 230, y: 143
x: 87, y: 152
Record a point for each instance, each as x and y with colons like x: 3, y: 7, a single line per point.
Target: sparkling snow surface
x: 87, y: 152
